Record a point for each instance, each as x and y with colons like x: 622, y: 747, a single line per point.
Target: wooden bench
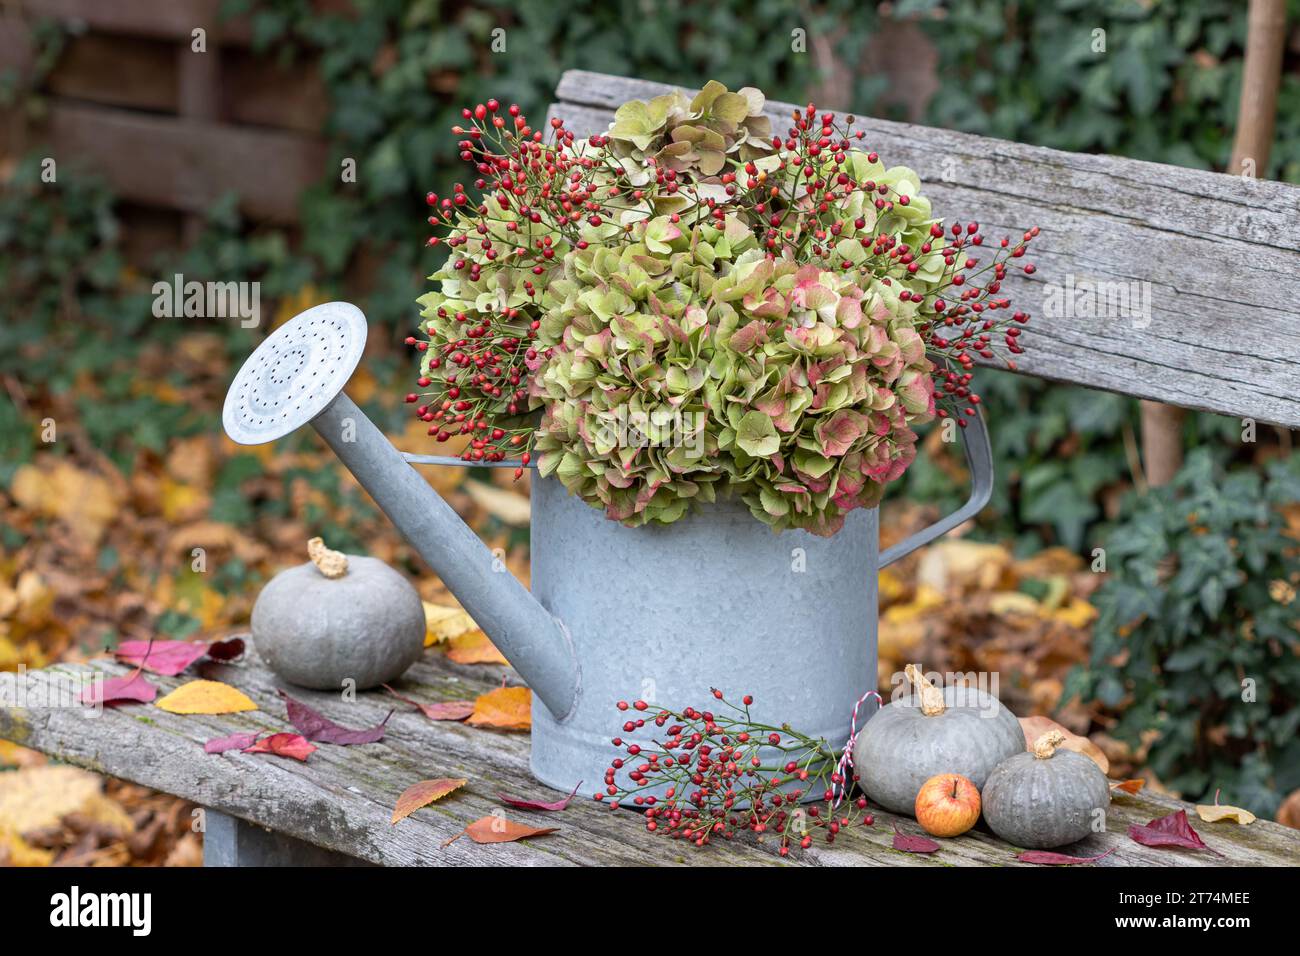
x: 1220, y: 331
x: 336, y: 808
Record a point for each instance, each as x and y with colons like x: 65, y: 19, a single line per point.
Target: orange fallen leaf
x: 497, y: 829
x: 283, y: 745
x: 473, y: 647
x: 1035, y: 727
x: 424, y: 793
x: 506, y: 708
x: 206, y: 697
x: 1129, y: 786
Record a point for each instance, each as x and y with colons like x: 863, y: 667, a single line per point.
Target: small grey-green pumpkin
x: 1046, y: 797
x: 338, y: 618
x: 960, y: 730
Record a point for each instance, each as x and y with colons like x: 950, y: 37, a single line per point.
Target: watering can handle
x: 979, y: 460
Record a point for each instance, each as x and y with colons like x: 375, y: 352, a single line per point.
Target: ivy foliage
x: 1197, y: 634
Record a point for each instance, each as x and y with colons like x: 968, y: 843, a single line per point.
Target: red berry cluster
x: 714, y: 775
x: 537, y: 193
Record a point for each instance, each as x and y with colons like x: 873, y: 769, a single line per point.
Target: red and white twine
x: 845, y: 765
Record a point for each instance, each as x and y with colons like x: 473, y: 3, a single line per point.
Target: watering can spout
x: 295, y: 377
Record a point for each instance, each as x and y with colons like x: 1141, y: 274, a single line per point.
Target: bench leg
x: 229, y: 841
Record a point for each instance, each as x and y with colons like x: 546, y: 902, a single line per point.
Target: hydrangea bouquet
x: 692, y: 305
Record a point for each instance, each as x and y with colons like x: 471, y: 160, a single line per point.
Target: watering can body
x: 659, y: 613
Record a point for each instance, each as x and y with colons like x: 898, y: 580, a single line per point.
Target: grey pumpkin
x: 1044, y: 798
x: 338, y: 618
x: 960, y: 730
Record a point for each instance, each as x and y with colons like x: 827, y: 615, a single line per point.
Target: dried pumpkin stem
x: 932, y: 704
x: 1046, y: 745
x: 332, y: 564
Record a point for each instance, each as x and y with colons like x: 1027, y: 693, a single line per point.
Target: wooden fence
x: 170, y: 127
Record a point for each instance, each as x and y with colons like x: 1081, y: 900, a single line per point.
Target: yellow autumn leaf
x: 442, y: 622
x: 506, y: 708
x: 1077, y: 613
x: 38, y: 797
x: 15, y: 851
x: 206, y: 697
x: 182, y: 502
x: 473, y: 647
x: 82, y: 500
x: 1213, y: 813
x: 1003, y: 603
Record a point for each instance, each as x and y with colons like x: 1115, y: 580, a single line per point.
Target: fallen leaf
x: 535, y: 805
x: 206, y: 697
x: 1035, y: 727
x: 1171, y: 830
x: 1128, y: 786
x: 1289, y: 813
x: 35, y: 798
x: 496, y: 829
x: 909, y: 843
x: 15, y: 851
x: 167, y: 658
x: 473, y: 647
x: 424, y: 793
x: 318, y: 727
x: 1213, y: 813
x: 82, y: 501
x: 506, y: 708
x: 442, y: 621
x: 508, y: 506
x: 227, y: 650
x: 239, y: 741
x: 115, y: 690
x: 283, y: 745
x: 441, y: 710
x: 1049, y: 858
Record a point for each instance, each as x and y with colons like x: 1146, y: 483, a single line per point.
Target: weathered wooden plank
x: 174, y: 19
x: 342, y: 798
x: 186, y: 164
x: 1218, y: 255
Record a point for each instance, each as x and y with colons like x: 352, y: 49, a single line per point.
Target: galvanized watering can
x: 661, y: 613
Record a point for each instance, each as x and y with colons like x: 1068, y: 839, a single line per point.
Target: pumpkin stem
x: 332, y: 564
x: 932, y: 704
x: 1046, y: 745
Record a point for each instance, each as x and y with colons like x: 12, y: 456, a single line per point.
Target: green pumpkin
x: 960, y: 730
x: 1045, y: 797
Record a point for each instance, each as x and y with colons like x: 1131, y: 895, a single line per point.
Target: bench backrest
x: 1156, y: 281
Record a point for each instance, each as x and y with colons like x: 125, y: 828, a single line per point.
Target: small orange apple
x: 947, y: 805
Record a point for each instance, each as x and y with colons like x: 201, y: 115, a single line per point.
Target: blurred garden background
x: 233, y: 167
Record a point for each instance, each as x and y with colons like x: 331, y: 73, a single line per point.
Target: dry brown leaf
x: 508, y: 506
x: 497, y: 829
x: 1214, y: 812
x: 34, y: 798
x: 424, y: 793
x: 82, y: 501
x: 1289, y: 813
x: 506, y: 708
x: 206, y: 697
x: 1035, y: 727
x: 473, y: 647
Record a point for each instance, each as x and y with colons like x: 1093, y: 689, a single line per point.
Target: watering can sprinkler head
x: 296, y: 377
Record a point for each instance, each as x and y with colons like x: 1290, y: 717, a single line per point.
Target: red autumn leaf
x: 1049, y: 858
x: 240, y: 741
x: 283, y: 745
x: 116, y: 690
x: 536, y: 805
x: 910, y: 843
x: 167, y: 658
x: 442, y: 710
x: 424, y: 793
x: 499, y: 830
x: 318, y: 727
x: 1172, y: 830
x: 227, y: 650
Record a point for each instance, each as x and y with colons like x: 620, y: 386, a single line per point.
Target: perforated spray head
x: 295, y: 373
